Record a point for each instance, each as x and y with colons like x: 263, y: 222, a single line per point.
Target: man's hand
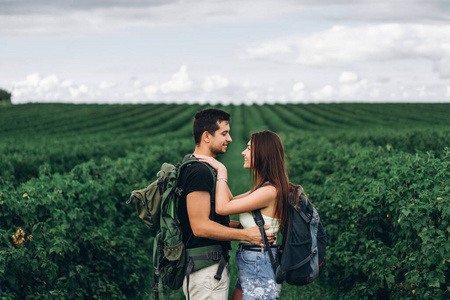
x: 254, y: 236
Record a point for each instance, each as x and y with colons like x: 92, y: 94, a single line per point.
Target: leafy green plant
x: 386, y: 214
x: 379, y: 175
x: 86, y: 243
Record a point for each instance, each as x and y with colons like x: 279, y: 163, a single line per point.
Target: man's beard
x: 218, y: 151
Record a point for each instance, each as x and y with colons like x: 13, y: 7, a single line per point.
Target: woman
x: 264, y: 156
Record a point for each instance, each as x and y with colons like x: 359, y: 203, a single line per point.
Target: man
x: 202, y: 227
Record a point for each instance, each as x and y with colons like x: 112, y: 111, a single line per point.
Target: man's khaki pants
x: 203, y: 285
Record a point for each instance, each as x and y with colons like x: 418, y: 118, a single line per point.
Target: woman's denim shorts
x: 256, y: 279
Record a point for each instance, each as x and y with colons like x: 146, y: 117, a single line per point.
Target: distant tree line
x: 5, y: 96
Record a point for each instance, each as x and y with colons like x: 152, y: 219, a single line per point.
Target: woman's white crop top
x: 247, y: 221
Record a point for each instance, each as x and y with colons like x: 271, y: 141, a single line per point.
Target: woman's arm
x: 230, y: 195
x: 258, y: 199
x: 241, y: 195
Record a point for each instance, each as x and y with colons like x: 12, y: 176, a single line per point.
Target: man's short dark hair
x: 207, y: 120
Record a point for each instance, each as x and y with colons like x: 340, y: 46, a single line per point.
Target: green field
x: 379, y: 174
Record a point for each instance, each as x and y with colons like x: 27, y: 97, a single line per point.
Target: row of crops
x: 66, y: 135
x: 379, y: 174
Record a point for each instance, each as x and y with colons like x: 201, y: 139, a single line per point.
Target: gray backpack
x: 302, y: 253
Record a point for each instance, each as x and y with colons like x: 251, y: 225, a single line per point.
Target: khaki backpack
x: 157, y: 207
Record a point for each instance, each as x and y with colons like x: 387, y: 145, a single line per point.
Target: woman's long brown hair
x: 267, y: 164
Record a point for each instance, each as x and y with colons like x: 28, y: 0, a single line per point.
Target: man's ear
x: 206, y: 136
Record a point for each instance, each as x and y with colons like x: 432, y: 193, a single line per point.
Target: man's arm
x: 198, y: 208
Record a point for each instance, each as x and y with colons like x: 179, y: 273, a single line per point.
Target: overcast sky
x: 246, y: 51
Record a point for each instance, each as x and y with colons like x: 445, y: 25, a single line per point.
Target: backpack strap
x: 259, y: 220
x: 205, y: 256
x: 302, y: 200
x: 189, y: 158
x: 155, y: 286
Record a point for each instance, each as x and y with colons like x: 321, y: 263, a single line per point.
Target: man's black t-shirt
x: 197, y: 177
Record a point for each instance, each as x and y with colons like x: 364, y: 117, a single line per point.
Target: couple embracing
x: 204, y: 208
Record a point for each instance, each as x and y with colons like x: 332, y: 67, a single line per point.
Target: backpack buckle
x: 130, y: 199
x: 214, y: 255
x: 260, y: 222
x: 155, y: 287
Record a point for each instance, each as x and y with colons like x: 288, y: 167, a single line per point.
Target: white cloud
x: 354, y: 91
x: 215, y: 82
x: 32, y: 80
x: 37, y: 88
x: 298, y: 92
x: 442, y: 65
x: 251, y: 84
x: 405, y: 43
x: 214, y: 89
x: 75, y: 92
x: 79, y: 18
x: 252, y: 95
x: 50, y: 17
x: 106, y: 85
x: 326, y: 93
x: 340, y: 46
x: 49, y: 83
x: 267, y: 48
x: 374, y: 94
x: 50, y: 88
x: 66, y: 83
x: 354, y: 88
x: 137, y: 83
x: 348, y: 77
x: 151, y: 90
x: 180, y: 82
